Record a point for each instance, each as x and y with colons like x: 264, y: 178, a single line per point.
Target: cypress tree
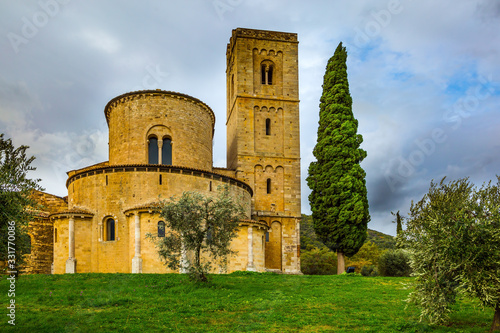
x: 338, y: 199
x: 399, y: 224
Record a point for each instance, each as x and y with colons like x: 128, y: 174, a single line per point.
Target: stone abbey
x: 160, y: 145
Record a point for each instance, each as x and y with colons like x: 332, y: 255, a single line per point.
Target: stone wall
x: 41, y: 233
x: 116, y: 192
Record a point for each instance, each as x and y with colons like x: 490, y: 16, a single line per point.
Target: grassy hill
x: 382, y: 240
x: 243, y: 302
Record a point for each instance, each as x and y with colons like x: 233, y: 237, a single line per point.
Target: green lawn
x: 230, y: 303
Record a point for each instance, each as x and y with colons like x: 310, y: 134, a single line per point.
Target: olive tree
x: 453, y: 235
x: 17, y: 206
x: 201, y: 229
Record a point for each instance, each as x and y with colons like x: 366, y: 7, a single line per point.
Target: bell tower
x: 263, y: 135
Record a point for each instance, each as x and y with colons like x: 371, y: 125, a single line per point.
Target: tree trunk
x: 496, y: 319
x: 199, y: 271
x: 340, y: 263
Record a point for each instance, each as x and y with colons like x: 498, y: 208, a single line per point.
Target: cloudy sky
x: 424, y: 77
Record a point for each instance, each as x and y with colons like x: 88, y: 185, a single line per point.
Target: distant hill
x: 382, y: 240
x: 308, y: 238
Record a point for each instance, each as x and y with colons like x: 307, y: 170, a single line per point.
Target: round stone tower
x: 160, y: 127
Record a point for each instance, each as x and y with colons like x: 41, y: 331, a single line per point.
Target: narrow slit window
x: 263, y: 74
x: 232, y: 86
x: 161, y: 229
x: 268, y: 185
x: 210, y: 186
x: 110, y: 230
x: 268, y: 126
x: 153, y: 150
x: 160, y: 180
x: 55, y: 235
x: 267, y: 237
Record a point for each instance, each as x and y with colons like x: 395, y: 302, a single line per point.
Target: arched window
x: 267, y: 72
x: 153, y: 150
x: 209, y: 233
x: 268, y: 126
x: 268, y: 185
x: 110, y: 230
x: 161, y: 229
x: 166, y: 152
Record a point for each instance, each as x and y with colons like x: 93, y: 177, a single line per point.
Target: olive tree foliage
x: 199, y: 232
x: 17, y: 207
x: 453, y: 235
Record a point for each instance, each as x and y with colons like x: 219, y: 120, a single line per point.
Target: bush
x: 318, y: 262
x: 370, y: 270
x: 394, y: 263
x: 367, y: 255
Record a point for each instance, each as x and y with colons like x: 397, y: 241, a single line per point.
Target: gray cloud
x: 413, y: 68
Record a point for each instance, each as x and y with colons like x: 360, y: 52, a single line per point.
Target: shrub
x: 318, y: 262
x: 394, y: 263
x: 370, y: 270
x: 367, y: 255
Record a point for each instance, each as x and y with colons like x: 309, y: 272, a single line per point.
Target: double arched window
x: 267, y: 72
x: 159, y: 151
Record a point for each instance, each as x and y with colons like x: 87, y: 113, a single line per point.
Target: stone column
x: 137, y: 260
x: 71, y: 262
x: 250, y: 266
x: 160, y: 145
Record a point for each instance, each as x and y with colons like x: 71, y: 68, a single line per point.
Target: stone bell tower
x: 263, y: 136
